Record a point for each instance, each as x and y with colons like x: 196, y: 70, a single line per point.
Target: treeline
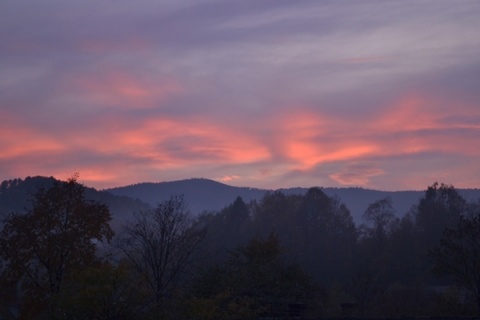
x: 285, y: 256
x: 382, y: 268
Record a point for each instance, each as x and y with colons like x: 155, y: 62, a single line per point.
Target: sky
x: 270, y: 94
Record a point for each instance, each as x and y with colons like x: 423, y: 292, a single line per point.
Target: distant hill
x: 207, y: 195
x: 16, y: 196
x: 201, y: 195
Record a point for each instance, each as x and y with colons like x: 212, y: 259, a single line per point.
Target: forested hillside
x: 206, y: 195
x: 283, y: 255
x: 16, y: 196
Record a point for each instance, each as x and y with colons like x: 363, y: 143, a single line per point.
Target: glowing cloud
x: 228, y: 178
x: 17, y: 139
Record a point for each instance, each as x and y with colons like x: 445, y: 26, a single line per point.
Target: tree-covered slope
x: 16, y: 196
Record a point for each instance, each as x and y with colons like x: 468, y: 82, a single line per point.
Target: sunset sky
x: 270, y: 94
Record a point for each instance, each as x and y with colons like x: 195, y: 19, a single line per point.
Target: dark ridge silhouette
x: 200, y: 194
x: 16, y: 196
x: 208, y: 195
x: 203, y: 195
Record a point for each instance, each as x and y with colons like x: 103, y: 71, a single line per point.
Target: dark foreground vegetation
x: 285, y: 256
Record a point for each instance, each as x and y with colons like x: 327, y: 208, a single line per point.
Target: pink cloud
x: 416, y: 124
x: 125, y: 151
x: 228, y: 178
x: 413, y: 126
x: 309, y: 138
x: 198, y: 139
x: 115, y: 150
x: 18, y: 139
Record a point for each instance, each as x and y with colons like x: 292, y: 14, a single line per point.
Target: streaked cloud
x: 378, y: 94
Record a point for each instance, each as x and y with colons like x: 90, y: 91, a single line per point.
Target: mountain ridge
x: 220, y: 195
x: 205, y: 195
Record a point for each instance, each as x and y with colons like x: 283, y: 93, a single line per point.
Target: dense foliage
x: 53, y: 239
x: 255, y: 281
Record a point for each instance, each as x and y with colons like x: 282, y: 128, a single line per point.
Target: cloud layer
x: 377, y: 94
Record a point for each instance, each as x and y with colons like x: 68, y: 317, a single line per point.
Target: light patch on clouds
x: 356, y: 175
x: 228, y: 178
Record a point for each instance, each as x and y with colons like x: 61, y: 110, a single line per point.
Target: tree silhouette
x: 381, y: 216
x: 57, y: 236
x: 459, y: 254
x: 160, y: 244
x: 255, y: 281
x: 440, y: 208
x: 329, y: 236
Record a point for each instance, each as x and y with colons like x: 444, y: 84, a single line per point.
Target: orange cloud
x: 414, y: 125
x: 17, y: 139
x: 167, y: 144
x: 228, y: 178
x: 97, y: 175
x: 309, y: 139
x: 114, y: 148
x: 176, y: 143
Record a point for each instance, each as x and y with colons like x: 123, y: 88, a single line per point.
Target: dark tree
x: 440, y: 208
x: 160, y: 245
x: 459, y: 254
x: 106, y: 292
x: 381, y: 220
x: 57, y: 236
x: 328, y: 236
x: 237, y: 213
x: 374, y: 263
x: 277, y: 212
x: 255, y: 281
x: 226, y: 230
